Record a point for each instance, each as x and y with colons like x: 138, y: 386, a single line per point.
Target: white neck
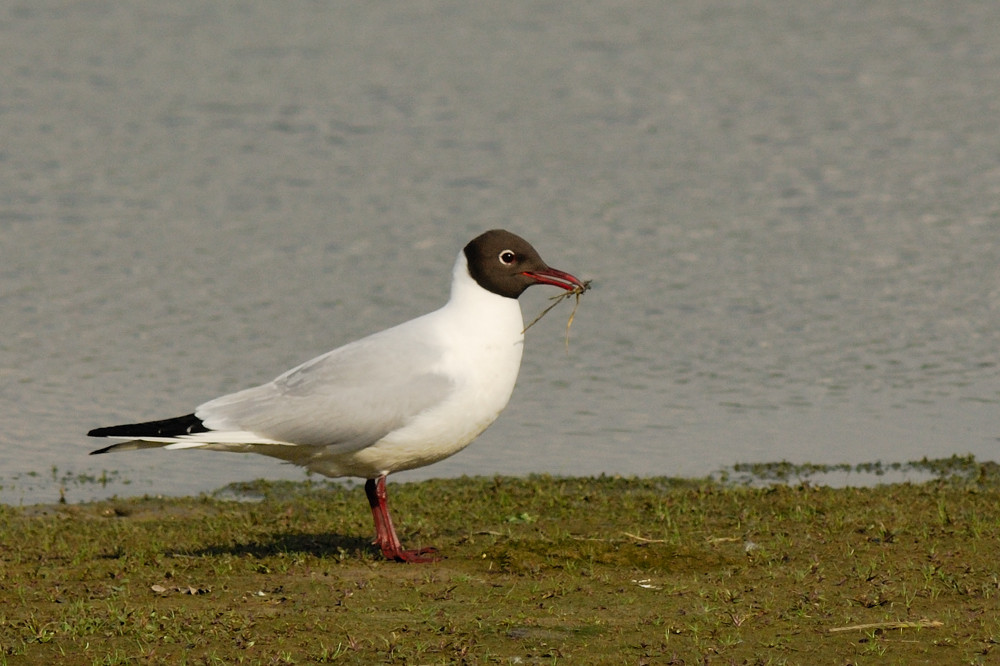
x: 493, y: 315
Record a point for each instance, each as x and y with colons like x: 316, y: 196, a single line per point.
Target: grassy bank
x: 537, y: 570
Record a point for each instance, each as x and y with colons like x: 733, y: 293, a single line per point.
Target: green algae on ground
x: 959, y: 467
x: 537, y: 570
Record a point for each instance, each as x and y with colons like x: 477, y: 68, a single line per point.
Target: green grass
x: 537, y: 571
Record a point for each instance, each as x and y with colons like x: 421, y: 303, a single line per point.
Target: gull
x: 402, y: 398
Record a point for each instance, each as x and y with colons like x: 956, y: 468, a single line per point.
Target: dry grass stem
x: 576, y: 291
x: 919, y: 624
x: 636, y: 537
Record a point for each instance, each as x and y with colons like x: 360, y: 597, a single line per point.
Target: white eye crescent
x: 508, y: 257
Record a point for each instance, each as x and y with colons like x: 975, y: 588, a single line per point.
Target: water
x: 790, y: 211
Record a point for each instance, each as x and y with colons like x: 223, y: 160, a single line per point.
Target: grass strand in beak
x: 575, y: 291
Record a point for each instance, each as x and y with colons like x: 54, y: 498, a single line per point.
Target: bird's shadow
x: 323, y: 545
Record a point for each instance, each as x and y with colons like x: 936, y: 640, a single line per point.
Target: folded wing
x: 346, y: 399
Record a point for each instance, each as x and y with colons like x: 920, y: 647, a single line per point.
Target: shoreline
x: 840, y: 475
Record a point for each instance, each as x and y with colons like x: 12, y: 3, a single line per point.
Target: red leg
x: 385, y: 533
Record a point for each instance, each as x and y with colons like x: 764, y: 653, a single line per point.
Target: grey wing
x: 346, y: 399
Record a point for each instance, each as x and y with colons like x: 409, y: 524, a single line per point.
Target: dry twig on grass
x: 919, y: 624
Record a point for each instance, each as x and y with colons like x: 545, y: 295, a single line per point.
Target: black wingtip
x: 188, y: 424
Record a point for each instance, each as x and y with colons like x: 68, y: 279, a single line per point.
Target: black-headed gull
x: 402, y: 398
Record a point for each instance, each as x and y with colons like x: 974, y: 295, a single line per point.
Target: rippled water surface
x: 790, y: 211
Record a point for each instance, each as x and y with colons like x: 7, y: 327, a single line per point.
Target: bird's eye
x: 507, y: 257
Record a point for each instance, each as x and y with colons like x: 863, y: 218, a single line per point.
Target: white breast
x: 480, y: 335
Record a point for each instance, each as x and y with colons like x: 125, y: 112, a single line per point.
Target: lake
x: 790, y: 212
